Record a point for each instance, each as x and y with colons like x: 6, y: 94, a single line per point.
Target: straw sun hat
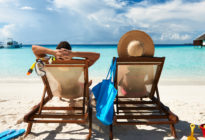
x: 135, y: 43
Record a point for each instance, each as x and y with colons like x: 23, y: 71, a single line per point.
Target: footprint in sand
x: 19, y: 121
x: 3, y: 100
x: 3, y: 121
x: 202, y: 113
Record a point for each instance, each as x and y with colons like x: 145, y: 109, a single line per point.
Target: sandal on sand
x: 9, y: 134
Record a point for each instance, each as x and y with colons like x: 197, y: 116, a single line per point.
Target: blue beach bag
x: 105, y: 94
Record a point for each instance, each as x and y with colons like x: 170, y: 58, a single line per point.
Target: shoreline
x: 162, y: 81
x: 112, y: 44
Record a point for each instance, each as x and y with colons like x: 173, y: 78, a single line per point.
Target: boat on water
x: 10, y: 43
x: 1, y: 45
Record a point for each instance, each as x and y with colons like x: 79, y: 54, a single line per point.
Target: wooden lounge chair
x: 138, y: 101
x: 67, y: 80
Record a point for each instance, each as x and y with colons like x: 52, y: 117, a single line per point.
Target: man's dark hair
x: 64, y: 44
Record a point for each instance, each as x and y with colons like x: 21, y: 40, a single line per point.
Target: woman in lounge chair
x: 134, y: 81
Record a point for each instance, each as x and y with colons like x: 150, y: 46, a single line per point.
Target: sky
x: 100, y: 21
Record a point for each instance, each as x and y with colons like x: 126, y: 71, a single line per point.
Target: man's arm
x: 65, y: 54
x: 91, y: 56
x: 42, y: 51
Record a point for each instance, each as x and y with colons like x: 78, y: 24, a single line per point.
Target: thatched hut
x: 200, y: 41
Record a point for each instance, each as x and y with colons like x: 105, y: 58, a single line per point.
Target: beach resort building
x: 200, y: 41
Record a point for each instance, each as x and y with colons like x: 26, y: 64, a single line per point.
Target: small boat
x: 10, y: 43
x: 1, y: 45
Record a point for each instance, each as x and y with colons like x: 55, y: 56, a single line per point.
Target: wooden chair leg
x: 111, y: 135
x: 90, y: 124
x: 28, y: 129
x: 42, y: 100
x: 173, y: 130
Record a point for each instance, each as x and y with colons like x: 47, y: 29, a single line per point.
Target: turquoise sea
x: 182, y: 61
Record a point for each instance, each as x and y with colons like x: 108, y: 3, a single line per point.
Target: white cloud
x: 26, y: 8
x: 20, y: 24
x: 90, y: 21
x: 115, y: 3
x: 49, y: 9
x: 160, y: 19
x: 79, y: 6
x: 171, y: 12
x: 5, y: 1
x: 174, y: 36
x: 7, y: 31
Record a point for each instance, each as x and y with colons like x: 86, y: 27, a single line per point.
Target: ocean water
x: 182, y: 61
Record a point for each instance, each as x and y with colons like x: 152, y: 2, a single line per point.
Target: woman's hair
x: 64, y: 44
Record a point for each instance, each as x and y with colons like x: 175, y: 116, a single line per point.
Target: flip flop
x: 7, y: 132
x: 14, y: 134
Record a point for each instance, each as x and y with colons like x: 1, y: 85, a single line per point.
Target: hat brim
x: 145, y: 39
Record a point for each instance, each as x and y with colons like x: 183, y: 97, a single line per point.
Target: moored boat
x: 10, y: 43
x: 1, y: 45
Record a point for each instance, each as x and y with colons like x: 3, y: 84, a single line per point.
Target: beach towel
x: 105, y: 94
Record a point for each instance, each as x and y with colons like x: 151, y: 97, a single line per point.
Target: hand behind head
x: 63, y: 54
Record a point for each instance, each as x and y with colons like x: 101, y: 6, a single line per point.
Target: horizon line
x: 110, y: 44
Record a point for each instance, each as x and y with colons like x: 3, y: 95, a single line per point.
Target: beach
x: 184, y: 98
x: 170, y: 31
x: 181, y: 88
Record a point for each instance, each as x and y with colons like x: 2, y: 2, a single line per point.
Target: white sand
x: 186, y: 99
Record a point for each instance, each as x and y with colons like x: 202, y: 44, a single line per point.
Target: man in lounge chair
x: 63, y: 52
x: 67, y: 80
